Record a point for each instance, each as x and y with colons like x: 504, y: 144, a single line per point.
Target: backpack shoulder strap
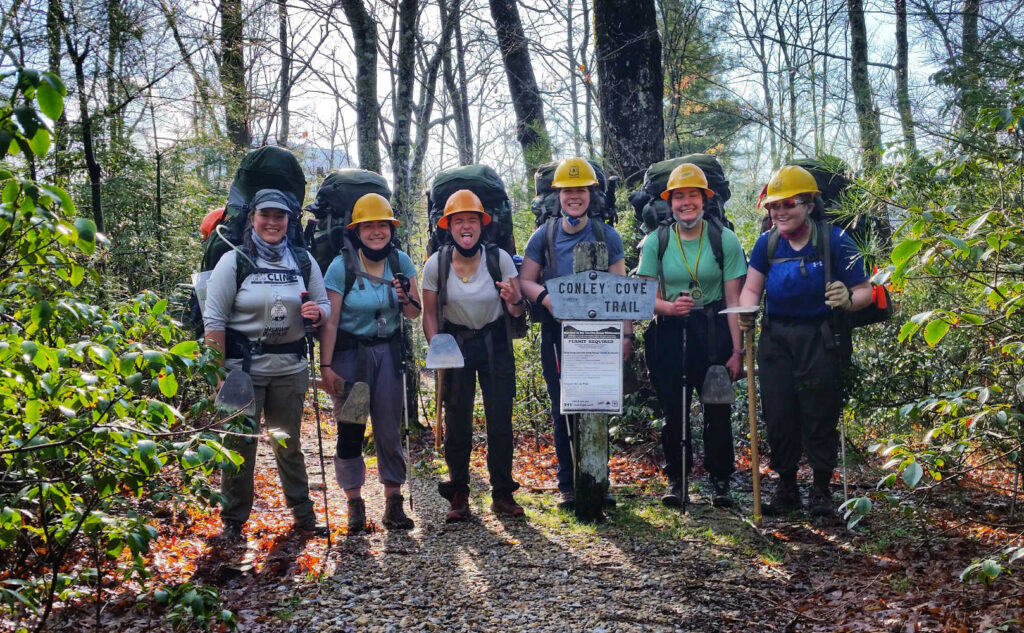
x: 662, y: 233
x: 243, y: 268
x: 550, y: 233
x: 715, y: 239
x: 597, y: 228
x: 444, y: 265
x: 823, y: 236
x: 303, y: 258
x: 348, y: 256
x: 493, y: 260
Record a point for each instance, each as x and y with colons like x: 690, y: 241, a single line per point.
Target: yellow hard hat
x: 789, y: 181
x: 370, y: 207
x: 462, y: 201
x: 574, y: 172
x: 686, y: 175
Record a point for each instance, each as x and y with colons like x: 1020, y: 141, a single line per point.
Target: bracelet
x: 737, y: 352
x: 522, y: 301
x: 322, y: 365
x: 540, y: 297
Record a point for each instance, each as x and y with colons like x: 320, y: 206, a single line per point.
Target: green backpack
x: 489, y: 187
x: 327, y: 231
x: 650, y: 210
x: 545, y: 202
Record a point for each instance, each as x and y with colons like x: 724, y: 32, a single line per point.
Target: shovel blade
x: 356, y: 407
x: 236, y: 394
x: 717, y: 387
x: 444, y: 353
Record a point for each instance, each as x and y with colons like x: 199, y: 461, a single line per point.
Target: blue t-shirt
x: 796, y: 291
x: 359, y: 309
x: 536, y: 248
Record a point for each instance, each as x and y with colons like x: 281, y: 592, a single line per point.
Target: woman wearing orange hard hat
x: 461, y: 298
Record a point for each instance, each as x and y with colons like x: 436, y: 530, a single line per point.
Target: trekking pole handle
x: 306, y: 322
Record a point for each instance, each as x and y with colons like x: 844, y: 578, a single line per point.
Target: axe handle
x: 755, y: 459
x: 439, y: 409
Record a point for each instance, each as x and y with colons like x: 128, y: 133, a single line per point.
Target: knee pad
x: 350, y: 440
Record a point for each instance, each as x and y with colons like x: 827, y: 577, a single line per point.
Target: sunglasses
x: 783, y: 204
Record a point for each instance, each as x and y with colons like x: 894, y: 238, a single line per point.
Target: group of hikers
x: 258, y: 318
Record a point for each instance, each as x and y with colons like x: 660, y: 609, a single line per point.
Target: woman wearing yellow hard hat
x: 462, y: 298
x: 699, y: 266
x: 806, y: 269
x: 359, y: 351
x: 549, y: 254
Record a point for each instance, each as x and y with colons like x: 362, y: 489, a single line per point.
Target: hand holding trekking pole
x: 307, y: 322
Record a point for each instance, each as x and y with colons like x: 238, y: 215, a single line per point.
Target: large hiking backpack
x: 650, y: 210
x: 327, y: 231
x: 268, y: 167
x: 489, y: 187
x: 545, y: 202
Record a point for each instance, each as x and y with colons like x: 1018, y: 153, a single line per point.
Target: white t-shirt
x: 475, y: 302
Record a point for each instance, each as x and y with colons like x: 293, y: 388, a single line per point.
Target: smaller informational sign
x: 591, y: 367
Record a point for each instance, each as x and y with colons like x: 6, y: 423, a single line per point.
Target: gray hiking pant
x: 386, y: 400
x: 279, y: 402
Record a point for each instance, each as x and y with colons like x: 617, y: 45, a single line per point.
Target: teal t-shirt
x: 677, y: 275
x: 359, y: 309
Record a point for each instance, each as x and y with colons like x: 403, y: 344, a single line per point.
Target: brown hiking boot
x: 459, y: 508
x: 394, y: 515
x: 356, y: 515
x: 231, y: 533
x: 819, y: 501
x: 506, y: 506
x: 785, y: 500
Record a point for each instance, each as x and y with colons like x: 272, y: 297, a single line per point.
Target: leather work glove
x: 837, y: 295
x: 747, y: 321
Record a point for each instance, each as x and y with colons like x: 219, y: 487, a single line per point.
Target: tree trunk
x: 115, y: 38
x: 88, y: 149
x: 969, y: 13
x: 902, y: 88
x: 632, y: 85
x: 232, y: 75
x: 867, y: 116
x: 588, y: 132
x: 402, y: 110
x: 286, y: 70
x: 426, y: 104
x: 364, y: 35
x: 572, y: 69
x: 207, y: 117
x: 466, y: 152
x: 522, y: 85
x: 54, y: 26
x: 456, y: 93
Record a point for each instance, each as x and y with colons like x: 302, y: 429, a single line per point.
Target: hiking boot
x: 394, y: 515
x: 819, y: 501
x: 309, y: 526
x: 230, y: 533
x: 506, y: 506
x: 676, y: 496
x: 720, y: 497
x: 786, y: 499
x: 356, y: 515
x: 459, y: 508
x: 568, y: 501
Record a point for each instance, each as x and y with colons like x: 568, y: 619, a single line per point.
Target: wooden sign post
x: 592, y: 305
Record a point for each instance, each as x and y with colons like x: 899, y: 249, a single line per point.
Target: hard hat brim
x: 485, y: 218
x: 668, y: 192
x: 783, y: 195
x: 352, y: 225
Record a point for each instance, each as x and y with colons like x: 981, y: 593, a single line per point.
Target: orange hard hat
x: 462, y: 201
x: 210, y: 221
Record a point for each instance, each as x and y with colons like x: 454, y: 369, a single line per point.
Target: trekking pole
x: 686, y: 425
x: 310, y: 342
x: 755, y: 459
x: 842, y: 451
x: 404, y: 366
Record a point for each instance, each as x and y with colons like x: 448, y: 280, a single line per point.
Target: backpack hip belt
x: 238, y: 345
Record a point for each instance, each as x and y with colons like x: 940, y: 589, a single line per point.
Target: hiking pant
x: 550, y: 356
x: 386, y: 398
x: 279, y: 401
x: 488, y: 357
x: 801, y: 393
x: 663, y: 344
